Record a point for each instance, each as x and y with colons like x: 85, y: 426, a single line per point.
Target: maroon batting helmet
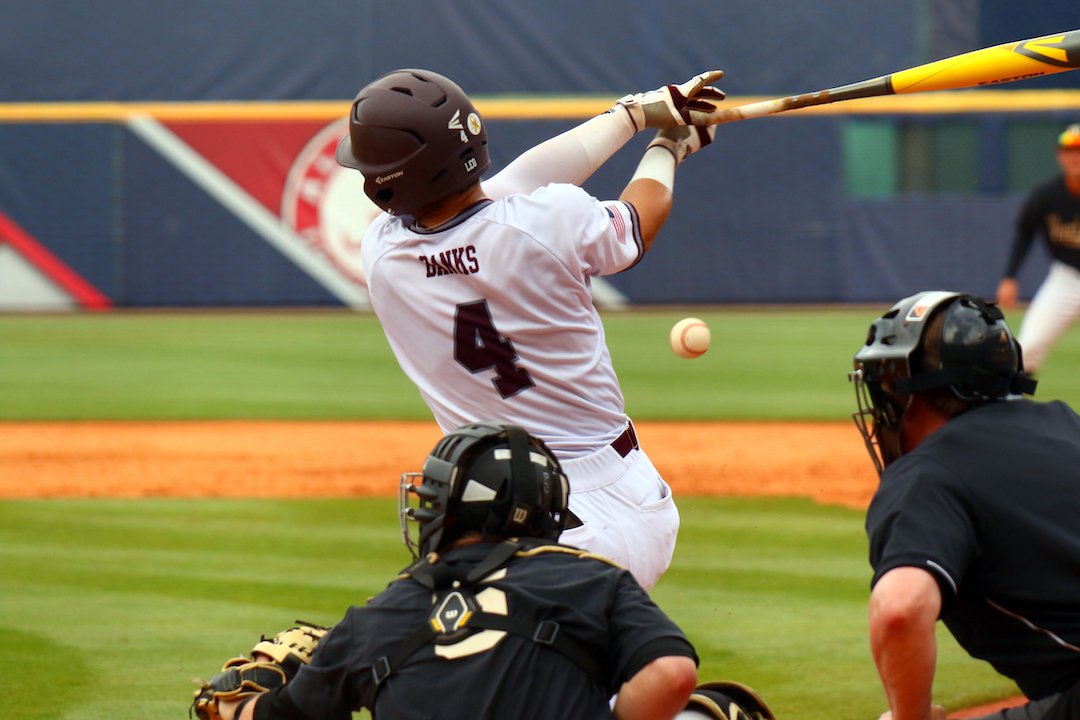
x: 416, y: 137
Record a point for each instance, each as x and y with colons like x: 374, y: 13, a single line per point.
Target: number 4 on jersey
x: 479, y: 347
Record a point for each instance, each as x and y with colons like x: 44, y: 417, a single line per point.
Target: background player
x: 974, y: 520
x: 1052, y: 210
x: 483, y: 289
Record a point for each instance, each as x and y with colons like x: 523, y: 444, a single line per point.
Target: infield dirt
x: 823, y: 461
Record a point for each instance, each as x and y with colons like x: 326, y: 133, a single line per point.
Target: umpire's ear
x: 725, y: 701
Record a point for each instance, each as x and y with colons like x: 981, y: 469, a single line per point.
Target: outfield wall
x: 254, y: 212
x: 153, y: 155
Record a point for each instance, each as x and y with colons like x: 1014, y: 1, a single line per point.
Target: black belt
x: 626, y: 442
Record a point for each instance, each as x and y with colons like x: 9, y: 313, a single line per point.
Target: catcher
x: 494, y: 619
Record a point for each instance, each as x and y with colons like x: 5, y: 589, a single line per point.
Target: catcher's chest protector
x: 456, y: 613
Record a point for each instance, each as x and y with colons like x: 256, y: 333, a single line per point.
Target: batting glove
x: 682, y: 142
x: 692, y: 103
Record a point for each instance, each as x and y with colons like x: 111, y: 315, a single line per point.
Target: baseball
x: 690, y: 337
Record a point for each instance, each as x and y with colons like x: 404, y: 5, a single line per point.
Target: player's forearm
x: 903, y: 612
x: 248, y: 712
x: 1019, y: 250
x: 1028, y: 226
x: 907, y: 675
x: 571, y: 157
x: 658, y: 691
x: 650, y: 191
x: 227, y: 709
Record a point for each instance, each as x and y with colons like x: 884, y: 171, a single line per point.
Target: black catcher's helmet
x: 416, y: 137
x: 488, y: 477
x: 975, y: 356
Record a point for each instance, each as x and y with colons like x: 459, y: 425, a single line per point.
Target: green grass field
x: 764, y: 364
x: 110, y: 608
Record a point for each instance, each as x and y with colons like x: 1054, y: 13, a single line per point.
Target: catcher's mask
x: 485, y: 477
x: 975, y: 357
x: 416, y: 138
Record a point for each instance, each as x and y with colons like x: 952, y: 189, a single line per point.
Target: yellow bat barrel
x: 1009, y: 62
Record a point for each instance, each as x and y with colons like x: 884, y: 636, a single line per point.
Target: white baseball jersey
x: 491, y: 314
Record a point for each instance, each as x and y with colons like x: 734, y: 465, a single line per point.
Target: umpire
x: 976, y: 520
x: 484, y: 624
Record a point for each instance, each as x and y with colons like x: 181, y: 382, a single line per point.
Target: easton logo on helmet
x: 387, y: 178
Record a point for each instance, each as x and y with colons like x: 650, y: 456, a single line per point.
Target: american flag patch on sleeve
x: 617, y: 221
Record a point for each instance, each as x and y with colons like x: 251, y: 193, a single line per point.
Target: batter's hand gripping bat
x: 1009, y: 62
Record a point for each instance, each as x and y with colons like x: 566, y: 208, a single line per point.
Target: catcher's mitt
x: 242, y: 678
x: 726, y: 701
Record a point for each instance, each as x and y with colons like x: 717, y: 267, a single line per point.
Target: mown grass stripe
x: 772, y: 592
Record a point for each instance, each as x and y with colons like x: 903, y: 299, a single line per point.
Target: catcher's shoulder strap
x: 548, y: 548
x: 457, y: 612
x: 430, y: 572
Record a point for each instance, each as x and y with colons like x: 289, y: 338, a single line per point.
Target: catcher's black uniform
x: 600, y: 609
x: 990, y: 505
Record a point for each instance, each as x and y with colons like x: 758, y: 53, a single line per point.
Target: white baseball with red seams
x: 690, y: 337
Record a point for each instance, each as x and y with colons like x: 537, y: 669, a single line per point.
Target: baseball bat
x: 1005, y: 63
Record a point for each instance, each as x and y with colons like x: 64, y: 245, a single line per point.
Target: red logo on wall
x: 325, y: 203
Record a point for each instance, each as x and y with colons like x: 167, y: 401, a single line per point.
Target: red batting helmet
x: 416, y: 137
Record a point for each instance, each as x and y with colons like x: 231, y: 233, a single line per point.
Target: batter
x: 483, y: 289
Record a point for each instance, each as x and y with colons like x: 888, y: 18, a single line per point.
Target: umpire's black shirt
x: 990, y: 505
x: 493, y: 675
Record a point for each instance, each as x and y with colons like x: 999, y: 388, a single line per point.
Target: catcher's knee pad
x: 725, y: 701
